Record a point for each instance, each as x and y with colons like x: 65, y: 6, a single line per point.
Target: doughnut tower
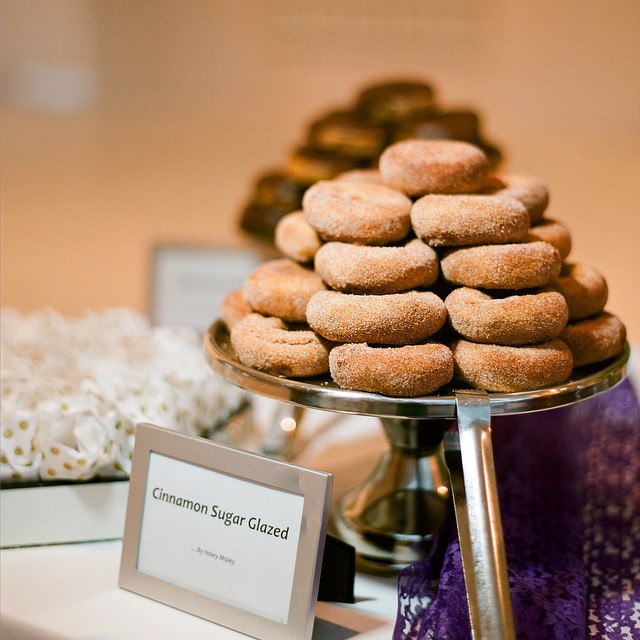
x: 428, y: 270
x: 352, y: 137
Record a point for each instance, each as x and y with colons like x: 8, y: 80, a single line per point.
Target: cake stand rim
x: 322, y: 393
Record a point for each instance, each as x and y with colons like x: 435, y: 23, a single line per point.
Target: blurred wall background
x: 131, y: 124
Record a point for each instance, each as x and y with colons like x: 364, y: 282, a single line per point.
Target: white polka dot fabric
x: 74, y: 389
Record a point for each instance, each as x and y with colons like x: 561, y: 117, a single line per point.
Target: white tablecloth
x: 70, y: 592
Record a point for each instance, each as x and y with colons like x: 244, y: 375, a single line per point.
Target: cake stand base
x: 393, y: 517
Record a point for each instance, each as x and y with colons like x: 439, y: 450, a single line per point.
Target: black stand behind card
x: 338, y: 571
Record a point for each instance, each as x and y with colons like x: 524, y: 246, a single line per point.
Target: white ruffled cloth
x: 73, y: 391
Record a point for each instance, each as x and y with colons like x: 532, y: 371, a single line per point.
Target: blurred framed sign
x: 188, y: 283
x: 226, y: 535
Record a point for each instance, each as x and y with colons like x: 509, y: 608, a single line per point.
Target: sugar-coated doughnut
x: 269, y: 345
x: 357, y: 212
x: 511, y: 369
x: 449, y: 125
x: 405, y: 372
x: 554, y: 233
x: 234, y: 307
x: 514, y: 320
x: 362, y: 269
x: 296, y: 238
x: 418, y: 167
x: 281, y: 288
x: 595, y: 339
x: 392, y: 319
x: 584, y: 289
x: 502, y: 266
x: 530, y: 190
x: 459, y: 220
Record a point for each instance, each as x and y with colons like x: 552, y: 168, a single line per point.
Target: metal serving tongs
x: 469, y: 457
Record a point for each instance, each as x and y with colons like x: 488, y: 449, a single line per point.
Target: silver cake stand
x: 440, y: 454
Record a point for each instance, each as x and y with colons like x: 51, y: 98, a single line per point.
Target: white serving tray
x: 62, y: 513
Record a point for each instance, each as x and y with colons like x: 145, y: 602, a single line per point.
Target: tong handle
x: 477, y: 508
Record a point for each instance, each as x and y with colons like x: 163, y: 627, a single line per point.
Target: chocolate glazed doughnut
x: 269, y: 345
x: 361, y: 269
x: 390, y: 319
x: 514, y: 320
x: 408, y: 371
x: 512, y: 369
x: 502, y: 266
x: 395, y: 101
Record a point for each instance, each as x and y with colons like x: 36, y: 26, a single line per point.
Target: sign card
x: 227, y: 535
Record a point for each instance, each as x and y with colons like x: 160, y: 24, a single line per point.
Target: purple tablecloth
x: 569, y: 489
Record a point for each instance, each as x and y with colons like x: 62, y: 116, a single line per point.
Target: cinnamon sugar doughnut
x: 511, y: 369
x: 407, y: 371
x: 554, y: 233
x: 502, y: 266
x: 269, y: 345
x: 530, y: 190
x: 361, y: 269
x: 234, y: 308
x: 595, y: 339
x: 584, y: 289
x: 393, y: 319
x: 357, y: 212
x: 295, y: 237
x: 514, y: 320
x: 458, y: 220
x: 417, y: 167
x: 281, y: 288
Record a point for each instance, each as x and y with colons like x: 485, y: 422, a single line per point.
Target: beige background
x: 131, y: 124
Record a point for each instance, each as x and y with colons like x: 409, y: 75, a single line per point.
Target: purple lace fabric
x: 569, y: 489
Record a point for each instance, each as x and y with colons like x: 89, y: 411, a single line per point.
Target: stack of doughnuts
x: 429, y: 270
x: 352, y: 138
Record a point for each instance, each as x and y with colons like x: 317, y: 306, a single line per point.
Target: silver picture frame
x: 161, y: 561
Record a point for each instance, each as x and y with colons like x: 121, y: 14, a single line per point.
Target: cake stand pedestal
x: 439, y: 445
